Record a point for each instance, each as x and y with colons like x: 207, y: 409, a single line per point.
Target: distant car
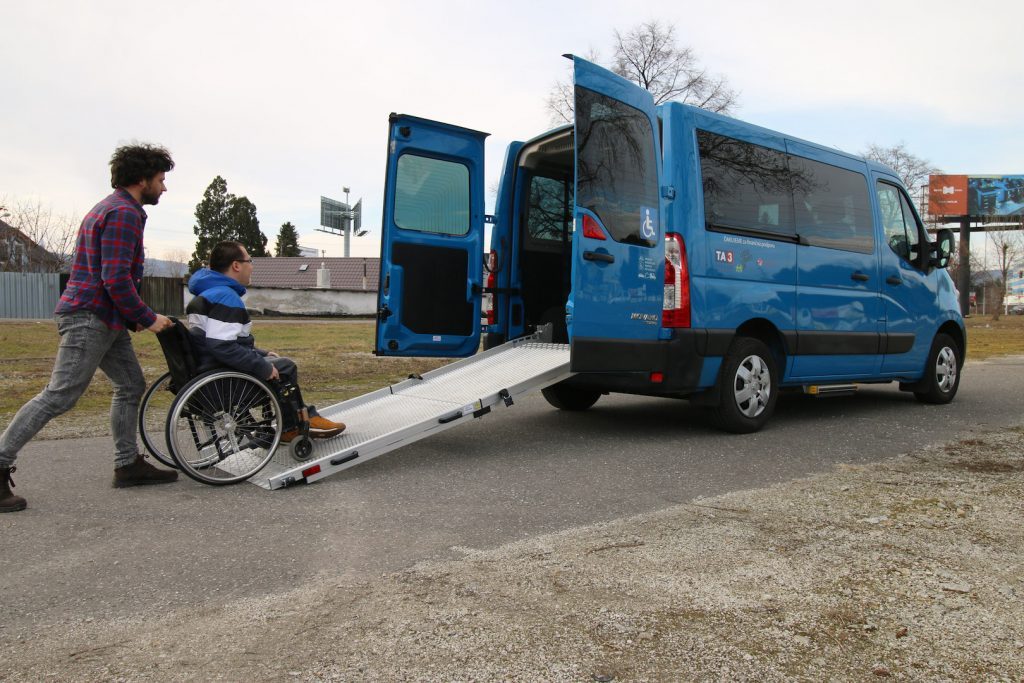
x: 1017, y: 310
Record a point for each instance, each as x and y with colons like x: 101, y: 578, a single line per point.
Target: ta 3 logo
x: 723, y: 256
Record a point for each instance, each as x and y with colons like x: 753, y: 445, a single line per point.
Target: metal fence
x: 28, y: 295
x: 35, y: 295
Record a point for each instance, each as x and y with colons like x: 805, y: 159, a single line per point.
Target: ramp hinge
x: 504, y: 396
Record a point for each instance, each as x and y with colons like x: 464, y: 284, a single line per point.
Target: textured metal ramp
x: 416, y: 408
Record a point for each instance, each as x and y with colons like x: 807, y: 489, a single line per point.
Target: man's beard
x: 150, y: 197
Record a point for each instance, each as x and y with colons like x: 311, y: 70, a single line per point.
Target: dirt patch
x: 910, y: 569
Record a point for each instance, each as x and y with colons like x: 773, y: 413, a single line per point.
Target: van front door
x: 614, y: 308
x: 431, y: 252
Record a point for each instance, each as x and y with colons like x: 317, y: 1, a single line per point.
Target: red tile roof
x: 286, y: 272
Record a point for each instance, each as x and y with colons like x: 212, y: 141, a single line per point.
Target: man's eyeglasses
x: 243, y: 260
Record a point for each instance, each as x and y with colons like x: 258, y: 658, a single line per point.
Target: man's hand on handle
x: 161, y: 323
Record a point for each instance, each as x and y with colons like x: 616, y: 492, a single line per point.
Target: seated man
x: 222, y: 331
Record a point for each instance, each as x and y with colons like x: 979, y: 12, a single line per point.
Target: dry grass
x: 987, y: 338
x: 335, y: 359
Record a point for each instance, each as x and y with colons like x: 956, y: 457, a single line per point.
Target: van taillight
x: 676, y: 311
x: 492, y: 282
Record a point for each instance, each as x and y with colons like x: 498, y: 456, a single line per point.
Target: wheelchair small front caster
x: 301, y: 447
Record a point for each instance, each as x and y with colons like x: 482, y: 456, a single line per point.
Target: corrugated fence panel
x: 28, y: 295
x: 35, y: 295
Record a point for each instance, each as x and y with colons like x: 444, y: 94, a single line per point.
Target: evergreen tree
x: 244, y: 227
x: 223, y: 216
x: 212, y: 223
x: 287, y: 241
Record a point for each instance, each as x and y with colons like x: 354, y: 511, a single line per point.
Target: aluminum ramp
x: 400, y: 414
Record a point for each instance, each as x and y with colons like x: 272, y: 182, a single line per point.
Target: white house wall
x: 333, y: 302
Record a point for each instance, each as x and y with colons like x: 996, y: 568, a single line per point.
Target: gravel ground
x: 909, y: 569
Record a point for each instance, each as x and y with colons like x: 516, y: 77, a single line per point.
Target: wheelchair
x: 218, y: 426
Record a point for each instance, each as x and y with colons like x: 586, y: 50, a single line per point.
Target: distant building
x: 289, y: 285
x: 308, y: 252
x: 20, y: 253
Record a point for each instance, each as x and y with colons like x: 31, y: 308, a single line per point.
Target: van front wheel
x: 942, y: 373
x: 570, y: 398
x: 748, y: 387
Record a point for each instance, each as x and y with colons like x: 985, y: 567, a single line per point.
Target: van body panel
x: 432, y: 235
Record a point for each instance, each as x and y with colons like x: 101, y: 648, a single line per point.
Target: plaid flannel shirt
x: 107, y: 272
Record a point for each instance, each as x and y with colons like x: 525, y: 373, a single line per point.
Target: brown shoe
x: 324, y: 425
x: 141, y: 473
x: 288, y: 437
x: 8, y: 501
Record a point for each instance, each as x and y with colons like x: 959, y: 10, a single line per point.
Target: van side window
x: 617, y: 171
x: 549, y: 212
x: 832, y: 206
x: 902, y: 231
x: 746, y: 186
x: 432, y: 195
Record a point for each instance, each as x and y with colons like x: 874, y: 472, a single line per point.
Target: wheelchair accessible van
x: 217, y: 426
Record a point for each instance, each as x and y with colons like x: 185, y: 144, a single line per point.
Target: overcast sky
x: 289, y: 100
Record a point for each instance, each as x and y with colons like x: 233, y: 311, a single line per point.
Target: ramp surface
x: 400, y: 414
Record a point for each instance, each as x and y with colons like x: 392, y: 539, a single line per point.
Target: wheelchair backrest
x: 176, y: 343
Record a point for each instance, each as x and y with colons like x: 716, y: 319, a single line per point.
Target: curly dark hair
x: 224, y: 254
x: 131, y: 164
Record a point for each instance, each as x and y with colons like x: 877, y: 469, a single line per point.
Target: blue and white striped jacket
x: 220, y: 325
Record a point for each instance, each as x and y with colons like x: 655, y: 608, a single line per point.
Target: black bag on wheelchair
x: 176, y: 343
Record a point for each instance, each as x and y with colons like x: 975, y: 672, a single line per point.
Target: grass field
x: 335, y: 360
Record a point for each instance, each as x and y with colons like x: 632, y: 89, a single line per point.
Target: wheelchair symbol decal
x: 648, y: 226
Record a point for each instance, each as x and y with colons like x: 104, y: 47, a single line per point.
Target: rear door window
x: 617, y: 167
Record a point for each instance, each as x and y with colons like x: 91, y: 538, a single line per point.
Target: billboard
x: 976, y: 195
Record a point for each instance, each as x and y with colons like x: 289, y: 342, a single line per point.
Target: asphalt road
x: 84, y: 550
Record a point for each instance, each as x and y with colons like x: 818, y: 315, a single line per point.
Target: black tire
x: 223, y: 427
x: 153, y: 412
x: 942, y: 371
x: 301, y: 448
x: 748, y: 386
x: 570, y: 398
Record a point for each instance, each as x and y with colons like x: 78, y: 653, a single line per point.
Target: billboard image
x: 976, y: 195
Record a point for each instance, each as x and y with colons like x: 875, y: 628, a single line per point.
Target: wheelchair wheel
x: 156, y: 406
x: 223, y: 427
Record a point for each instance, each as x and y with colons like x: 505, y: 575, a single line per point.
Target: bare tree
x: 178, y: 261
x: 1009, y: 248
x: 53, y: 232
x: 649, y: 56
x: 910, y: 168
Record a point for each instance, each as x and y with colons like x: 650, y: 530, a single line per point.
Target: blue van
x: 678, y: 252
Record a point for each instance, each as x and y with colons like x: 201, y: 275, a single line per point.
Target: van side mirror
x: 943, y: 250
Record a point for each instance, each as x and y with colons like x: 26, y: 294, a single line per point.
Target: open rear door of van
x: 614, y: 309
x: 431, y: 254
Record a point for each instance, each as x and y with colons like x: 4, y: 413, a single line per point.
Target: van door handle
x: 893, y: 280
x: 860, y: 277
x: 598, y: 256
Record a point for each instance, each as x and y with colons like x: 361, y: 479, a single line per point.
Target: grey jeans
x: 86, y: 343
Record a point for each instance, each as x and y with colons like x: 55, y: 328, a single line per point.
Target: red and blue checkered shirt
x: 107, y: 272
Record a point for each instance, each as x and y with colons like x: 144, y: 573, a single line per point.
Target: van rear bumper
x: 629, y: 366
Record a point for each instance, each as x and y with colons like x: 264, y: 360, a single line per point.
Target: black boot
x: 8, y: 501
x: 140, y: 473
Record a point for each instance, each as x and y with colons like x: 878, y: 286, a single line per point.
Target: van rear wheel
x: 570, y: 398
x: 748, y: 387
x: 942, y: 372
